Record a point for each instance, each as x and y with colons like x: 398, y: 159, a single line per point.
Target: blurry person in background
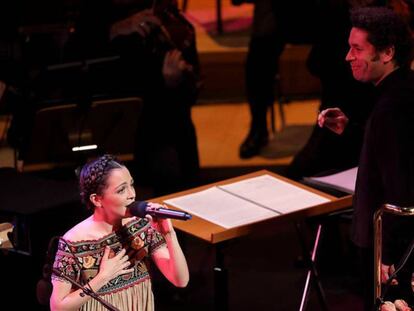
x: 275, y: 23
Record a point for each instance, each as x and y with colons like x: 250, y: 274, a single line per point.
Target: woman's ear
x: 95, y: 199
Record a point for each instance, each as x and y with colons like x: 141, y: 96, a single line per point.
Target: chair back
x: 105, y: 126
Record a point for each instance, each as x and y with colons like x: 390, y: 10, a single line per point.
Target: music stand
x: 217, y: 235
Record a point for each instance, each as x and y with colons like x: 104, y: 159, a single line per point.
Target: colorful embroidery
x: 137, y: 237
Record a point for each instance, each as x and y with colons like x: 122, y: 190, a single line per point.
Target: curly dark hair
x: 94, y: 175
x: 385, y: 29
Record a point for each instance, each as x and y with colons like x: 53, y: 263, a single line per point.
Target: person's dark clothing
x: 265, y: 47
x: 386, y: 167
x: 275, y: 23
x: 166, y: 155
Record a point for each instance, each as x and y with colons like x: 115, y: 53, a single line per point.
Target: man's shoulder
x: 405, y: 79
x: 400, y: 90
x: 408, y: 78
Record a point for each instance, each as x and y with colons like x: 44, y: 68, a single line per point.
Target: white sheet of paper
x: 275, y: 194
x: 247, y: 201
x: 344, y: 181
x: 221, y: 208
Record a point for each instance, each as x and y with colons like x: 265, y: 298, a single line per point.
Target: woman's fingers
x: 121, y: 253
x: 126, y: 271
x: 106, y: 252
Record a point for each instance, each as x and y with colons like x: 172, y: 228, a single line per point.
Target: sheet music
x: 221, y: 208
x: 275, y: 194
x: 247, y: 201
x: 343, y: 181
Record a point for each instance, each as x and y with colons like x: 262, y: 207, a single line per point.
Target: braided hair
x: 94, y: 175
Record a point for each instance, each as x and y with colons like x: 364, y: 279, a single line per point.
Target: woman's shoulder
x: 83, y: 231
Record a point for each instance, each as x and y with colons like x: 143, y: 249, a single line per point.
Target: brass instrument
x: 386, y: 208
x: 5, y: 230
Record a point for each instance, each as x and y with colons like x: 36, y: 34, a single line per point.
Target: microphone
x: 142, y: 208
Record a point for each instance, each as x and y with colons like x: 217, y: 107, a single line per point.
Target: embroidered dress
x: 80, y: 261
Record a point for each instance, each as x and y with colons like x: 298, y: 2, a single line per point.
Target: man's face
x: 366, y: 62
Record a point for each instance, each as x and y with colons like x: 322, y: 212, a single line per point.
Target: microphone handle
x: 168, y: 213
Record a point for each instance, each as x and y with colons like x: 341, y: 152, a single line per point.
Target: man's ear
x: 95, y: 199
x: 388, y: 54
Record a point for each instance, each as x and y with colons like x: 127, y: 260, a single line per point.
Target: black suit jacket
x: 386, y: 168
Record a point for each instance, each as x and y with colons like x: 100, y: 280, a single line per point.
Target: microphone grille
x: 138, y: 208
